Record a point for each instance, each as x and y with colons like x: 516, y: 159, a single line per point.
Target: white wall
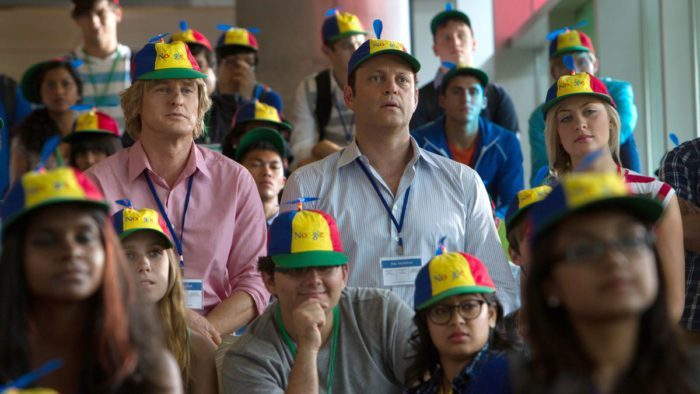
x: 480, y: 13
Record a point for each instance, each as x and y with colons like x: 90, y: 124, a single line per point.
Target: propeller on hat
x: 378, y: 26
x: 554, y: 34
x: 157, y: 38
x: 441, y: 248
x: 300, y: 201
x: 674, y: 138
x: 332, y: 12
x: 225, y: 27
x: 50, y: 147
x: 33, y: 376
x: 126, y: 203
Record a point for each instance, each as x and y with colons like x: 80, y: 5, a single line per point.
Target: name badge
x: 194, y: 293
x: 400, y: 271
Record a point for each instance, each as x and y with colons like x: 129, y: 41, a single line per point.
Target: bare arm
x: 670, y: 247
x: 202, y: 366
x: 232, y: 313
x: 690, y: 215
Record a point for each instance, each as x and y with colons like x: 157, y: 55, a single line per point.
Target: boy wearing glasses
x: 319, y: 335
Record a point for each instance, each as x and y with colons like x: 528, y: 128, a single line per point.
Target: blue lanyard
x: 347, y: 130
x: 397, y: 223
x: 161, y: 208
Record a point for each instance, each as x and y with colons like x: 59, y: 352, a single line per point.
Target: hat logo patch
x: 584, y: 189
x: 310, y: 232
x: 87, y: 122
x: 348, y: 22
x: 315, y: 236
x: 569, y: 39
x: 569, y: 84
x: 59, y: 183
x: 448, y: 271
x: 171, y: 56
x: 384, y: 45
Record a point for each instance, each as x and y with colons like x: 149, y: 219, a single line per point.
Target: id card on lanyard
x: 396, y: 270
x: 194, y: 288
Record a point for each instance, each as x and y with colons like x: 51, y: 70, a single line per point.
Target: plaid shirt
x: 681, y: 169
x: 460, y: 383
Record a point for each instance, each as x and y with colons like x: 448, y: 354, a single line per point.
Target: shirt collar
x: 138, y: 162
x: 438, y: 78
x: 352, y: 152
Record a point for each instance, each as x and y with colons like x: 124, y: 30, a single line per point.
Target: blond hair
x: 132, y: 102
x: 560, y: 160
x: 173, y: 316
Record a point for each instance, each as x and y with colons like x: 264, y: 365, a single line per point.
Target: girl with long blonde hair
x: 159, y: 278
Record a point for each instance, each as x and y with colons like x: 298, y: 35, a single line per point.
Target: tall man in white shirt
x: 393, y: 199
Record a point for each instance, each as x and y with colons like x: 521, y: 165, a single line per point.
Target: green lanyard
x: 293, y: 349
x: 100, y: 98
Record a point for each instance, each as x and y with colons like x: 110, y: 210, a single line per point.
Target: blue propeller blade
x: 378, y: 26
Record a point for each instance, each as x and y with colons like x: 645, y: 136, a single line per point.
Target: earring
x: 553, y: 302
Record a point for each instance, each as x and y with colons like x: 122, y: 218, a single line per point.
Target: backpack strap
x: 9, y: 91
x: 323, y: 101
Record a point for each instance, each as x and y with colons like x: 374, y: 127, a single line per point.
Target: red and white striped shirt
x: 650, y: 186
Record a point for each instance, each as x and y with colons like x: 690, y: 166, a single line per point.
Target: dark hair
x: 426, y: 356
x: 510, y: 235
x: 266, y: 265
x: 228, y: 50
x: 659, y: 357
x: 262, y: 145
x: 121, y: 339
x: 56, y: 64
x: 107, y: 144
x: 82, y: 7
x: 449, y: 19
x: 35, y: 130
x: 196, y: 49
x: 231, y: 140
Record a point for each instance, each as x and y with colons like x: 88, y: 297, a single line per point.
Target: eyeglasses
x: 441, y: 314
x: 595, y: 250
x: 299, y: 273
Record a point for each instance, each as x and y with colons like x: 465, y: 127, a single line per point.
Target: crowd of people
x: 167, y: 227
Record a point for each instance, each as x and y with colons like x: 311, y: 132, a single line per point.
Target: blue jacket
x: 497, y: 157
x: 9, y: 90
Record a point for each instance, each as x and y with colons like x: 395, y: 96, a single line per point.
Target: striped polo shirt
x: 104, y: 79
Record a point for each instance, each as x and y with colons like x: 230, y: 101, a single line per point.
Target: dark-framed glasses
x: 441, y: 314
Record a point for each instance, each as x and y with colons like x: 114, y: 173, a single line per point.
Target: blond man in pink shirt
x: 210, y: 203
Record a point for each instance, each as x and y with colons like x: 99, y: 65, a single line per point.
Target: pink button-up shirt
x: 225, y: 230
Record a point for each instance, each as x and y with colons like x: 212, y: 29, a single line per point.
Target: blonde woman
x: 150, y: 251
x: 582, y: 132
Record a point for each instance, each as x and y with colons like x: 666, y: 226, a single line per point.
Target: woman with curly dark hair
x: 451, y: 347
x: 597, y: 317
x: 56, y: 86
x: 66, y: 293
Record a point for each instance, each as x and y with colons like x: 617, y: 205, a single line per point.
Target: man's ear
x: 118, y: 14
x: 441, y: 100
x: 346, y: 274
x: 349, y: 97
x: 493, y: 316
x: 486, y: 102
x: 325, y: 49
